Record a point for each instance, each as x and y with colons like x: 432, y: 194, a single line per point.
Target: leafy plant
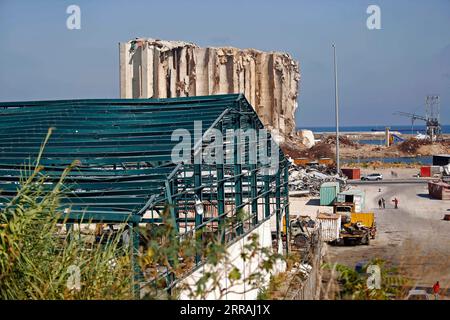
x: 353, y: 284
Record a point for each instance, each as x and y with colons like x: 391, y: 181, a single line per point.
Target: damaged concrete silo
x: 162, y: 69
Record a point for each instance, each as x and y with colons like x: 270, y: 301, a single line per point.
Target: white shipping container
x: 357, y: 199
x: 330, y: 226
x: 435, y: 170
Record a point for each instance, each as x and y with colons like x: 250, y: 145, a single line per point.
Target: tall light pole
x: 336, y: 101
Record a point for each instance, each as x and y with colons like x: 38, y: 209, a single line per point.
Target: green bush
x: 37, y: 261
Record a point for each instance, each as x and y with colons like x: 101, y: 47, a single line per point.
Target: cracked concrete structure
x: 152, y: 68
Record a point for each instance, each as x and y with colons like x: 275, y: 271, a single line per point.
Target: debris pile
x: 322, y: 149
x: 307, y: 181
x: 412, y: 145
x: 343, y: 140
x: 318, y: 151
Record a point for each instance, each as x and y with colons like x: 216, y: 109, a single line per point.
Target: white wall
x: 240, y: 290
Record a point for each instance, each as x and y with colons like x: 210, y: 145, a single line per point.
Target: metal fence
x: 308, y: 283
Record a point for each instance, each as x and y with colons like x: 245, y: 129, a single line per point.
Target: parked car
x: 372, y: 177
x: 418, y: 295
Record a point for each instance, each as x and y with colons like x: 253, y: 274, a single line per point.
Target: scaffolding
x: 126, y: 173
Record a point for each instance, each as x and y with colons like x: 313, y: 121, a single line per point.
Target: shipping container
x: 352, y: 173
x: 353, y: 196
x: 301, y: 161
x: 439, y: 190
x: 326, y: 161
x: 425, y: 171
x: 435, y: 170
x: 328, y: 193
x: 441, y: 160
x: 330, y: 226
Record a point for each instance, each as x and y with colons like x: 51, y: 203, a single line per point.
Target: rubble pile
x: 293, y: 150
x: 308, y: 180
x: 343, y: 140
x: 318, y: 151
x: 412, y: 145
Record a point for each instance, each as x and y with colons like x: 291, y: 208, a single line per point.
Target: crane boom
x: 410, y: 115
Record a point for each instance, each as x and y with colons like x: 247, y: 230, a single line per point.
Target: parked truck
x: 360, y: 230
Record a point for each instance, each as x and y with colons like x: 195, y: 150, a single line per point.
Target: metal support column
x: 237, y: 171
x: 254, y: 180
x: 266, y: 196
x: 278, y: 201
x: 221, y: 187
x: 221, y: 200
x: 267, y: 183
x: 286, y: 202
x: 198, y: 217
x: 254, y: 193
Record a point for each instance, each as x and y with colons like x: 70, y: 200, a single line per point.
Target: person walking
x: 379, y: 203
x: 395, y: 201
x: 383, y: 203
x: 436, y: 289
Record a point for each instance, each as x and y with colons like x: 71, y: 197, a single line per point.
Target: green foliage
x: 353, y: 285
x: 35, y: 258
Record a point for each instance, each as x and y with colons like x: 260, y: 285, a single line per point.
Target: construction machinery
x: 356, y: 227
x: 431, y: 118
x: 301, y: 230
x: 360, y: 230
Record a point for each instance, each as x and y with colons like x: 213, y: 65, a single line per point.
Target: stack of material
x: 308, y: 181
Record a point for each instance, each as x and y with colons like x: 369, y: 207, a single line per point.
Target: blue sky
x: 380, y: 71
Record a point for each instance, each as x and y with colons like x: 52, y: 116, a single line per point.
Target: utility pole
x: 336, y: 101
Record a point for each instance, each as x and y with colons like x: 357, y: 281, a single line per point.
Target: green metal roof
x: 353, y: 192
x: 123, y: 145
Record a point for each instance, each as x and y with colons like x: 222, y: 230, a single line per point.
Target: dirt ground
x: 399, y: 173
x: 350, y: 149
x: 414, y: 238
x: 372, y: 151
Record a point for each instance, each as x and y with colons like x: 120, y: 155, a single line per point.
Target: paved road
x: 413, y: 237
x: 387, y: 181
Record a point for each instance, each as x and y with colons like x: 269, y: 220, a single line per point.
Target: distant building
x: 151, y: 68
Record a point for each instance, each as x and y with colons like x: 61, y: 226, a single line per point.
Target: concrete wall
x: 241, y: 290
x: 162, y: 69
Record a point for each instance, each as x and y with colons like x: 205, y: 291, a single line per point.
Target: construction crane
x: 431, y: 119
